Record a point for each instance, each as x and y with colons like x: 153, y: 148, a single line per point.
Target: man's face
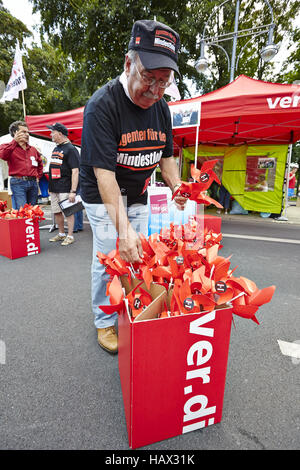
x: 141, y: 93
x: 23, y: 133
x: 55, y: 136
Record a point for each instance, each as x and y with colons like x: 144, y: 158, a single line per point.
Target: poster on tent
x: 185, y: 114
x: 260, y: 173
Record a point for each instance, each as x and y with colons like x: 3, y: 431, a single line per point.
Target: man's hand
x: 21, y: 137
x: 72, y: 197
x: 130, y: 247
x: 180, y: 202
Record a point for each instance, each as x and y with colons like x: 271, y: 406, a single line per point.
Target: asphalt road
x: 59, y: 390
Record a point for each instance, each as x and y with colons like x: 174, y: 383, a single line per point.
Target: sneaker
x: 107, y: 339
x: 68, y: 241
x: 57, y: 238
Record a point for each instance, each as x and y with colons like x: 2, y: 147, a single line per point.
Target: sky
x: 22, y: 9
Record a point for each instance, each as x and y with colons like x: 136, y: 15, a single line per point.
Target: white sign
x: 185, y: 114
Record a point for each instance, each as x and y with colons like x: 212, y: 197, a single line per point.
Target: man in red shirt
x: 25, y: 166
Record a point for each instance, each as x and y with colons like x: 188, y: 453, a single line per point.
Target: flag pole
x: 23, y: 101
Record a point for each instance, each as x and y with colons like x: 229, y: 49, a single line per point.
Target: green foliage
x: 87, y: 40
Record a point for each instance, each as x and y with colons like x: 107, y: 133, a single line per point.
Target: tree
x: 96, y: 34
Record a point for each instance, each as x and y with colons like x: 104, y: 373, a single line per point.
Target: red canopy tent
x: 73, y: 120
x: 244, y: 111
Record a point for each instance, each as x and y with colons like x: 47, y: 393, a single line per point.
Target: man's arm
x: 130, y: 247
x: 170, y: 175
x: 74, y: 184
x: 7, y: 149
x: 40, y: 165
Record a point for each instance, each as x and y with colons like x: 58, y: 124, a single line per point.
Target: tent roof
x: 73, y: 120
x: 244, y: 111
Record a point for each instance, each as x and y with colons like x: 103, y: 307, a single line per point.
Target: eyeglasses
x: 152, y: 81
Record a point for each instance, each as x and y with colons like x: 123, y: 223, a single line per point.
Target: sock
x: 62, y: 234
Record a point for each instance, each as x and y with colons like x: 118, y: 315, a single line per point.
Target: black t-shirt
x: 64, y: 158
x: 121, y: 137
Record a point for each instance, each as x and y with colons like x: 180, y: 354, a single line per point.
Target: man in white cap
x: 127, y: 132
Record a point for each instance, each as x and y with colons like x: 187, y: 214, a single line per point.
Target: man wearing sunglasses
x: 126, y: 133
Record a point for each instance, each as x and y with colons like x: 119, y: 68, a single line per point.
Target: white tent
x: 44, y: 146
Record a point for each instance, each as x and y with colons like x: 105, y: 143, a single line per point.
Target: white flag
x: 173, y: 91
x: 17, y: 81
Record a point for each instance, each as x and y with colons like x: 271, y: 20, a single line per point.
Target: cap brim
x: 50, y: 127
x: 151, y: 61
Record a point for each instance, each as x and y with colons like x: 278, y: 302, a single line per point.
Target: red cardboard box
x: 210, y: 222
x: 172, y: 373
x: 19, y: 237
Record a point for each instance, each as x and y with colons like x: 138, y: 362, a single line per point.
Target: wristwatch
x: 72, y: 191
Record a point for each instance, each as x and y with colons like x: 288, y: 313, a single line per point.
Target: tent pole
x: 286, y: 184
x: 196, y: 147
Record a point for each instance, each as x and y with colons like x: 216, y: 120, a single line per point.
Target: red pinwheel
x: 3, y: 205
x: 194, y: 192
x: 206, y: 176
x: 116, y: 297
x: 138, y: 300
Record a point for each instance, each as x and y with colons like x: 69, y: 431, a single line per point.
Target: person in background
x: 224, y: 199
x: 292, y: 180
x: 127, y: 132
x: 78, y: 219
x: 25, y: 166
x: 63, y: 180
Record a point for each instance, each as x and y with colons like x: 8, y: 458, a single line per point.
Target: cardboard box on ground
x: 172, y: 369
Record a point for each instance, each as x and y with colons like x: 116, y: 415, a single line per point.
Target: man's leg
x: 32, y: 193
x: 19, y: 190
x: 104, y: 241
x: 138, y: 217
x: 70, y: 223
x: 60, y: 220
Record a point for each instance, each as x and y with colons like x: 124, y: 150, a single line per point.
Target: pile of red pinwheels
x: 190, y: 268
x: 197, y: 191
x: 26, y: 212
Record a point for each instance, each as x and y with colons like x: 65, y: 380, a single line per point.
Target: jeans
x: 224, y: 197
x: 104, y: 240
x: 78, y: 221
x: 24, y: 192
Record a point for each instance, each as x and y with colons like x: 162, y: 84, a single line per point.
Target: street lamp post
x: 267, y: 53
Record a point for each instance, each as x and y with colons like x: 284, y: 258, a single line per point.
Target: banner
x: 17, y: 81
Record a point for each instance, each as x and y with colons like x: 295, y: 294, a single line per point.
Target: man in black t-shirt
x: 126, y: 133
x: 63, y: 180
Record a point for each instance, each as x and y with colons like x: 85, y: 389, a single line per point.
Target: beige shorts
x: 55, y: 199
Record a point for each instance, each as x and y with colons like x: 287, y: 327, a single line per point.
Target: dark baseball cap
x: 156, y: 43
x: 59, y: 127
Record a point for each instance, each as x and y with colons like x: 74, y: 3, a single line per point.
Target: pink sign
x: 159, y: 204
